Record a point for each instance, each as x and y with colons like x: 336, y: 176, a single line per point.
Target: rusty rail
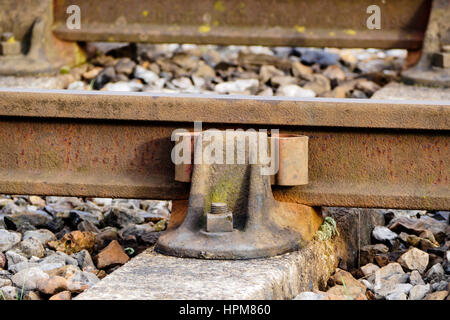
x: 362, y: 153
x: 339, y: 23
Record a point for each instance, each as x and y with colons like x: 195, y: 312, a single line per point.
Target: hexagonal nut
x: 219, y: 222
x: 9, y: 48
x: 441, y: 59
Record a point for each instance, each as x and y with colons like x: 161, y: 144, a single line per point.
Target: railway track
x: 357, y: 153
x: 362, y: 153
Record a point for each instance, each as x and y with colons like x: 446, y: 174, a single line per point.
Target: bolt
x: 218, y: 207
x: 219, y: 219
x: 8, y: 45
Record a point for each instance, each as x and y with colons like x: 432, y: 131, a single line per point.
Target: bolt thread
x: 218, y: 207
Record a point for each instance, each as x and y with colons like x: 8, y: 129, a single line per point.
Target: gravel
x: 55, y: 253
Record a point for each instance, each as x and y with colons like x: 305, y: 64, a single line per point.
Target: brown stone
x: 279, y: 81
x: 91, y: 74
x: 331, y: 296
x: 438, y: 295
x: 428, y: 235
x: 369, y: 87
x: 369, y: 252
x: 413, y: 240
x: 107, y: 235
x: 343, y: 277
x: 66, y: 272
x: 64, y: 295
x: 110, y: 256
x: 37, y: 201
x: 52, y: 285
x: 347, y: 286
x: 334, y: 72
x: 382, y: 259
x: 267, y: 72
x: 74, y: 241
x: 263, y: 59
x: 417, y: 226
x: 414, y: 259
x: 32, y: 295
x: 426, y: 244
x: 301, y: 71
x: 2, y: 260
x: 342, y: 90
x: 185, y: 61
x: 204, y: 71
x: 320, y: 84
x: 101, y: 274
x: 348, y: 292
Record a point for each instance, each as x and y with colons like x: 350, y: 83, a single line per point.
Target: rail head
x: 227, y: 109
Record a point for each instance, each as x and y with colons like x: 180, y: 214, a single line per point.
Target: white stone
x: 268, y: 92
x: 293, y: 90
x: 260, y: 50
x: 199, y: 82
x: 419, y: 291
x: 369, y: 269
x: 382, y: 233
x: 32, y: 247
x: 15, y: 268
x: 9, y: 292
x: 389, y: 276
x: 8, y: 239
x: 43, y: 235
x: 78, y: 281
x: 396, y: 296
x: 124, y: 86
x: 77, y: 85
x: 5, y: 282
x: 14, y: 257
x: 28, y: 278
x: 397, y: 53
x: 414, y: 259
x: 436, y: 272
x: 388, y: 270
x: 439, y: 286
x: 307, y: 295
x: 415, y: 278
x: 147, y: 75
x: 183, y: 83
x: 239, y: 85
x: 388, y: 289
x: 103, y: 202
